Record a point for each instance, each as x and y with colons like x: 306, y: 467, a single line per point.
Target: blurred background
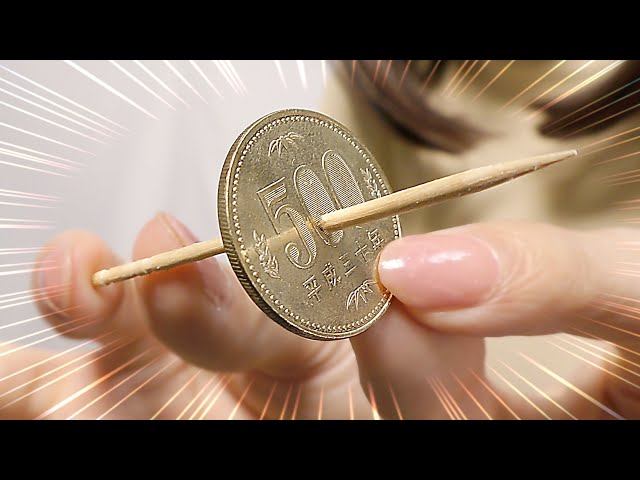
x: 83, y: 142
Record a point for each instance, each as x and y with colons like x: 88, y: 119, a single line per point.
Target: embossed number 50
x: 316, y: 200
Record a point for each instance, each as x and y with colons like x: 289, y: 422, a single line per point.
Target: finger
x: 200, y: 311
x: 79, y: 310
x: 404, y: 366
x: 505, y: 278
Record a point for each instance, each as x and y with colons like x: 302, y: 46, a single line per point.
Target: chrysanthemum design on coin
x: 281, y: 175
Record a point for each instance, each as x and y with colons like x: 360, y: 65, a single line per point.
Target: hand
x: 544, y: 280
x: 184, y: 343
x: 456, y: 287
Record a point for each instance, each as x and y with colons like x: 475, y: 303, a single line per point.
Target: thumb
x: 505, y: 278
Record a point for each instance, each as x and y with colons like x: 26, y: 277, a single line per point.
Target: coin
x: 281, y: 175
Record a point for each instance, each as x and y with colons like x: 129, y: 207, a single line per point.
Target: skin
x: 453, y: 290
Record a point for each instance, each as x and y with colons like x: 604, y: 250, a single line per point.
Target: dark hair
x: 398, y: 91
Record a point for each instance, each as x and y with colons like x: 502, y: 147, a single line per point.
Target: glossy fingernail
x: 55, y: 276
x: 439, y: 271
x: 214, y: 282
x: 177, y: 229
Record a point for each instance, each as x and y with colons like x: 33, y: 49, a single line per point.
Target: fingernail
x: 439, y: 271
x: 56, y: 272
x: 215, y: 284
x: 177, y: 229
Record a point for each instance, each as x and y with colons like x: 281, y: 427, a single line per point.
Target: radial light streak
x: 323, y: 67
x: 266, y: 405
x: 395, y: 402
x: 539, y: 390
x: 584, y: 147
x: 58, y: 114
x: 206, y: 399
x: 242, y: 397
x: 36, y: 342
x: 450, y: 397
x: 175, y: 395
x: 457, y: 84
x: 63, y: 376
x: 320, y: 405
x: 51, y: 122
x: 351, y: 414
x: 446, y: 399
x: 515, y: 389
x: 604, y: 350
x: 29, y: 196
x: 140, y: 83
x: 386, y: 73
x: 42, y: 137
x: 599, y: 367
x: 487, y: 62
x: 108, y: 87
x: 223, y: 71
x: 495, y: 395
x: 433, y: 70
x: 89, y: 387
x: 54, y: 370
x: 286, y: 402
x: 215, y: 399
x: 206, y: 79
x: 492, y: 81
x: 25, y: 250
x: 120, y: 383
x: 31, y: 270
x: 441, y: 399
x: 553, y: 87
x: 137, y: 389
x: 572, y: 387
x: 532, y: 85
x: 25, y: 205
x: 453, y: 78
x: 57, y: 355
x: 184, y: 80
x: 61, y: 107
x: 468, y: 392
x: 157, y: 79
x: 604, y: 120
x: 32, y: 291
x: 404, y: 72
x: 296, y: 403
x: 575, y: 89
x: 234, y: 75
x: 619, y: 176
x: 302, y: 73
x: 33, y: 298
x: 375, y: 75
x: 354, y: 64
x: 33, y: 334
x: 280, y: 73
x: 596, y: 110
x: 617, y: 345
x: 61, y: 96
x: 26, y: 167
x: 32, y: 158
x: 624, y: 308
x: 616, y: 364
x: 190, y: 404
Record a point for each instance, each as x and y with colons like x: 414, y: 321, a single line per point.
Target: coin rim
x: 225, y: 222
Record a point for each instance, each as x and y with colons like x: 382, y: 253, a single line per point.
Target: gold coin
x: 281, y: 175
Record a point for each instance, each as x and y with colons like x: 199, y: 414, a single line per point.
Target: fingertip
x: 440, y: 271
x: 63, y: 286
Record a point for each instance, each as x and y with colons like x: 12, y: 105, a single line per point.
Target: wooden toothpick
x: 404, y: 201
